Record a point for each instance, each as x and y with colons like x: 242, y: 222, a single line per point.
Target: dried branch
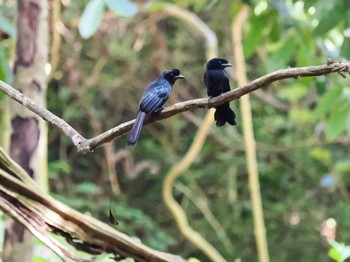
x: 85, y: 145
x: 21, y: 198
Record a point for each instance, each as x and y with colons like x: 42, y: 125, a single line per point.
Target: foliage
x: 301, y: 126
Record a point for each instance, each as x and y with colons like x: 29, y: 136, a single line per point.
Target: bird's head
x: 172, y: 75
x: 218, y: 63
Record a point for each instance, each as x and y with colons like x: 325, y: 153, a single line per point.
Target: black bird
x: 156, y: 94
x: 217, y: 82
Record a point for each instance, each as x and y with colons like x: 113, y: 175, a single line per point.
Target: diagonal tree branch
x: 21, y: 198
x: 86, y: 145
x: 43, y: 113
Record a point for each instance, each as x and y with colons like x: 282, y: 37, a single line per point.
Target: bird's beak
x: 180, y: 77
x: 227, y: 65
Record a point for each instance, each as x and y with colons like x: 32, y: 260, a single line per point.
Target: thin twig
x: 85, y: 145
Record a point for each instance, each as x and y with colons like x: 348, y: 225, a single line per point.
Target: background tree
x: 28, y: 136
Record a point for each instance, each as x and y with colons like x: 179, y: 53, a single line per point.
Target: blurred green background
x: 301, y: 125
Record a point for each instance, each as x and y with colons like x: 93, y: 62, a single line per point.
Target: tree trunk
x: 28, y: 141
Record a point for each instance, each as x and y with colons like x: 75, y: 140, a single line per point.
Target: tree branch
x: 21, y: 198
x: 85, y: 145
x: 16, y: 95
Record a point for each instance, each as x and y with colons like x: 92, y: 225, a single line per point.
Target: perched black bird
x: 217, y: 82
x: 156, y: 94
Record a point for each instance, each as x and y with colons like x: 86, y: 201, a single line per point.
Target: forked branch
x: 86, y: 145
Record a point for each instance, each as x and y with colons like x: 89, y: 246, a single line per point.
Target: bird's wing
x: 154, y: 98
x: 225, y: 86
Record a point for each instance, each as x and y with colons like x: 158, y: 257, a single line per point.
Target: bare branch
x: 83, y: 145
x: 16, y: 95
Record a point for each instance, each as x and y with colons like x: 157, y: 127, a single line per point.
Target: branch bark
x: 22, y: 199
x: 87, y: 145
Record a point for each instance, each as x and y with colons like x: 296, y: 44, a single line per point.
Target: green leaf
x: 342, y: 167
x: 337, y: 121
x: 91, y: 18
x: 281, y: 57
x: 5, y: 71
x: 88, y: 188
x: 321, y: 154
x: 334, y: 254
x: 345, y: 48
x: 327, y: 102
x: 327, y: 21
x: 293, y: 92
x: 7, y: 26
x: 122, y: 7
x: 300, y: 115
x: 56, y: 167
x: 253, y: 37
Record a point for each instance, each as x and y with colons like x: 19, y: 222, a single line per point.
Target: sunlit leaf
x: 122, y: 7
x: 339, y: 252
x: 342, y: 167
x: 193, y: 259
x: 91, y: 18
x: 300, y: 115
x: 321, y: 154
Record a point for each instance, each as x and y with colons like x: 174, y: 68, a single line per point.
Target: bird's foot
x: 158, y: 110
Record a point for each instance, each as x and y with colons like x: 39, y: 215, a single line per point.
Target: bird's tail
x: 224, y: 114
x: 136, y: 129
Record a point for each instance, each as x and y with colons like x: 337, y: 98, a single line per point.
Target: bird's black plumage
x: 217, y: 82
x: 156, y: 94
